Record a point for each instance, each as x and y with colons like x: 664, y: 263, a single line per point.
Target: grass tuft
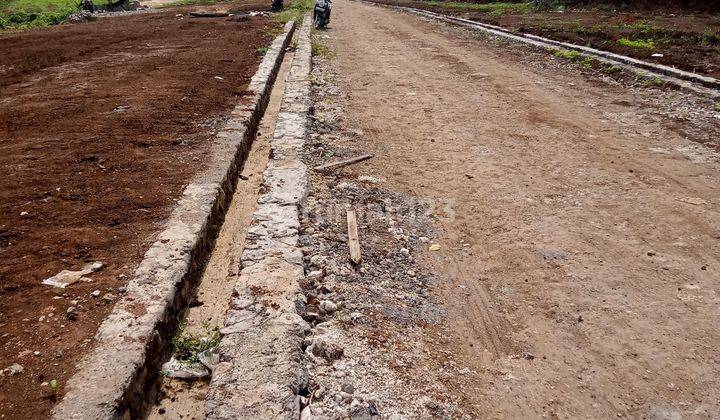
x: 647, y: 44
x: 611, y: 69
x: 295, y: 11
x: 571, y: 55
x: 187, y: 346
x: 26, y: 14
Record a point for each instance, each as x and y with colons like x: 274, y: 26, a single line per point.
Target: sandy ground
x: 578, y: 258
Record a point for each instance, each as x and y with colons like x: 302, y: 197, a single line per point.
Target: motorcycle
x: 321, y: 14
x: 277, y: 5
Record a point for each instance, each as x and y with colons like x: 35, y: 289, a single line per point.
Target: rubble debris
x: 71, y: 313
x: 65, y: 278
x: 14, y: 369
x: 178, y: 369
x: 209, y: 14
x: 328, y: 351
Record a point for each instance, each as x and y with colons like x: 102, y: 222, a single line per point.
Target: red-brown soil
x: 687, y: 41
x: 84, y: 179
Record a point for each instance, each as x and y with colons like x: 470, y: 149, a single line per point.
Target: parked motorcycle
x: 277, y: 5
x: 321, y: 14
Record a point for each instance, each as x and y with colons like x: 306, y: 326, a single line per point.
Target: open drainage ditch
x: 184, y: 398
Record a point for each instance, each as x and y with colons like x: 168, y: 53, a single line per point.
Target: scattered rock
x: 14, y: 369
x: 318, y: 261
x: 71, y: 313
x: 528, y: 356
x: 210, y: 358
x: 348, y: 388
x: 359, y: 411
x: 108, y: 297
x: 66, y: 277
x: 325, y: 350
x: 328, y: 306
x: 95, y: 293
x: 183, y: 370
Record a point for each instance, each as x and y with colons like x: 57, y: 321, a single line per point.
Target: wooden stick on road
x: 353, y: 239
x: 335, y: 165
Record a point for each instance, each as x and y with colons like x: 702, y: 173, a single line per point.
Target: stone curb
x: 113, y: 380
x: 685, y: 80
x: 261, y: 371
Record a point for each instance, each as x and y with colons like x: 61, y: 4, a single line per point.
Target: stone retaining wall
x: 261, y: 371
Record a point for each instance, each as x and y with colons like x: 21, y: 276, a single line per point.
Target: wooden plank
x: 353, y: 239
x: 338, y: 164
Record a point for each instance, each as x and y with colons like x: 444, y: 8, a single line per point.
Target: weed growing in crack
x: 262, y: 50
x: 319, y: 49
x: 187, y: 346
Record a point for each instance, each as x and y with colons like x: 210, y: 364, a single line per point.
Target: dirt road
x: 578, y: 264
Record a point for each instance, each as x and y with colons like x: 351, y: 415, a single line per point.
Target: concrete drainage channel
x: 695, y: 83
x: 260, y: 372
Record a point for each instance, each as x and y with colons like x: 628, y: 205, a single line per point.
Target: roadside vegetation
x: 188, y: 346
x: 25, y: 14
x: 492, y: 8
x: 648, y: 44
x: 295, y: 10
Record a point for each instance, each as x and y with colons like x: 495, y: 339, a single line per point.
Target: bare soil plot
x: 101, y: 127
x: 687, y: 41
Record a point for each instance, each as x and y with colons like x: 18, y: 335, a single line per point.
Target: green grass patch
x: 650, y: 81
x: 295, y: 11
x: 647, y: 44
x: 187, y: 346
x: 709, y: 38
x: 611, y: 69
x: 319, y: 49
x: 571, y: 55
x: 496, y: 9
x: 25, y: 14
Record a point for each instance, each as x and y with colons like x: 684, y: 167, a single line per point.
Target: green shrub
x: 187, y: 346
x: 295, y: 11
x: 610, y: 69
x: 710, y: 38
x: 571, y: 55
x: 638, y: 43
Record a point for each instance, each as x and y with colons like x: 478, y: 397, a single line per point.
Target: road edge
x: 262, y: 372
x: 684, y: 80
x: 113, y: 380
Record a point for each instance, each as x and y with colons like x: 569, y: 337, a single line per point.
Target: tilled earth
x: 684, y: 39
x: 539, y: 239
x: 101, y: 127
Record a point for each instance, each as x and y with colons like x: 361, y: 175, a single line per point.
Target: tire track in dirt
x: 583, y: 225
